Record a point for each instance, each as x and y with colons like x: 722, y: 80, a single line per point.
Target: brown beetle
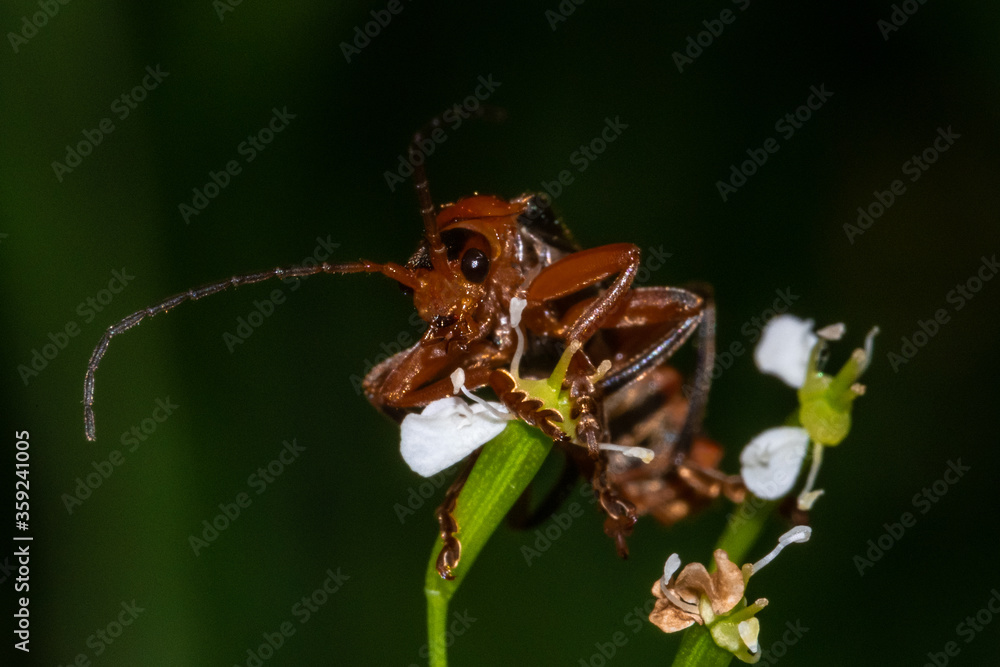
x: 476, y: 255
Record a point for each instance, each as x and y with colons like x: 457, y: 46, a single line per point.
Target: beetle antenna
x: 396, y: 272
x: 418, y: 158
x: 424, y: 199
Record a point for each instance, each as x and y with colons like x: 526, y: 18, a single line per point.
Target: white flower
x: 771, y: 461
x: 447, y: 431
x: 784, y: 349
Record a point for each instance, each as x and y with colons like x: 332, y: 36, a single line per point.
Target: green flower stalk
x: 506, y: 466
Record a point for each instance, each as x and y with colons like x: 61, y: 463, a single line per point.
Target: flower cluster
x: 790, y: 350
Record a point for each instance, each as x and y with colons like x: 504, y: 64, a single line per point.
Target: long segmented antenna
x: 394, y: 271
x: 439, y: 254
x: 438, y: 251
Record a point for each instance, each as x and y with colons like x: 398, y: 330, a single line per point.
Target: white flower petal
x: 771, y: 461
x: 784, y: 349
x: 446, y: 432
x: 749, y: 630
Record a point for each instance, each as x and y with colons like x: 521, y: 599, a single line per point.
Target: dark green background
x: 323, y: 175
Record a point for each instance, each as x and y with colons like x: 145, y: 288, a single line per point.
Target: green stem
x: 437, y: 625
x: 506, y: 466
x: 744, y: 527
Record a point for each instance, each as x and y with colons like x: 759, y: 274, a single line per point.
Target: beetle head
x: 454, y: 276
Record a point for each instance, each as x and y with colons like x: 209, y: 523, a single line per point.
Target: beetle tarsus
x: 451, y: 551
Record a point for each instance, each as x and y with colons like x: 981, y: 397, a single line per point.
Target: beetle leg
x: 421, y: 375
x: 584, y: 269
x: 698, y: 397
x: 526, y: 407
x: 650, y: 412
x: 681, y: 311
x: 621, y: 513
x: 451, y: 551
x: 621, y: 516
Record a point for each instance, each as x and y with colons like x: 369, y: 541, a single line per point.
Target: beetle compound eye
x: 475, y: 265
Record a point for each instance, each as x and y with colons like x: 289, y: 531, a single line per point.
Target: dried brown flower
x: 679, y: 599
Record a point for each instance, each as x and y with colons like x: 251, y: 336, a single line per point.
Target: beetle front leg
x: 418, y: 376
x: 584, y: 269
x: 621, y: 515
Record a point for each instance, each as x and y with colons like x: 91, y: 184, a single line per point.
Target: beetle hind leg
x: 621, y: 515
x: 451, y: 551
